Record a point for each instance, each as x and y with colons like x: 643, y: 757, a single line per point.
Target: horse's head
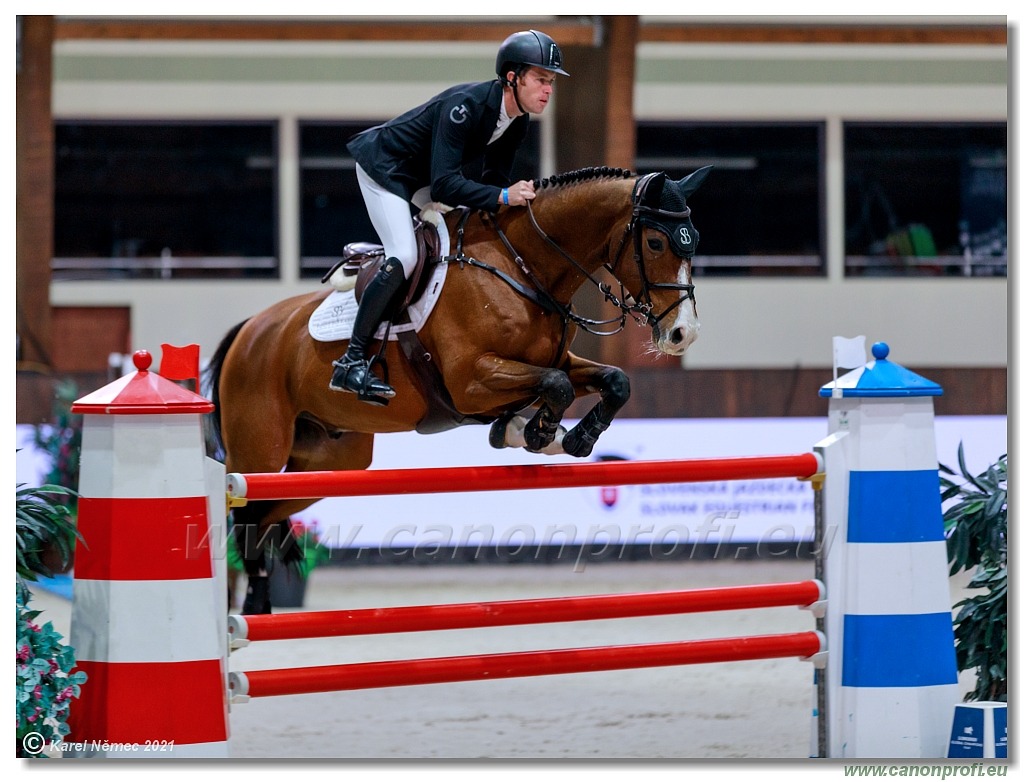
x: 664, y: 241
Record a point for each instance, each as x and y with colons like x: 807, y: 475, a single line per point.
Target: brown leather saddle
x: 362, y: 260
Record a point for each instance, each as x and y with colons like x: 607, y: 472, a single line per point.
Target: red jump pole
x: 400, y: 673
x: 407, y: 619
x: 435, y: 480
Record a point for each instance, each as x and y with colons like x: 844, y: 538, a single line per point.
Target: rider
x: 418, y: 157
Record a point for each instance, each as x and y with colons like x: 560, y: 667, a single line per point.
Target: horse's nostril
x: 676, y: 336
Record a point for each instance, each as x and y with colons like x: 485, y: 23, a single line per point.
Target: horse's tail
x: 210, y: 383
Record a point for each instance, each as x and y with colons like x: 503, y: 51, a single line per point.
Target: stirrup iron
x: 356, y: 376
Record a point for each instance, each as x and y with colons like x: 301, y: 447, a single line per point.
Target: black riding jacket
x: 430, y: 145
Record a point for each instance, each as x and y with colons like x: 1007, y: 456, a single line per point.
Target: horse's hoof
x: 257, y: 596
x: 496, y: 436
x: 537, y: 445
x: 250, y: 608
x: 577, y: 445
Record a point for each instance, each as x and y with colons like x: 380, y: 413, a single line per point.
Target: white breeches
x: 391, y: 218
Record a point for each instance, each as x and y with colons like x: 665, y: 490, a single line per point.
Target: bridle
x: 639, y: 307
x: 651, y: 217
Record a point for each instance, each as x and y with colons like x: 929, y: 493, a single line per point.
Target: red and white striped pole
x: 437, y: 670
x: 437, y: 480
x: 506, y: 613
x: 148, y: 611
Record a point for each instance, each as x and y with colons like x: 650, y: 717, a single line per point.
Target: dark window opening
x: 165, y: 199
x: 761, y: 211
x: 925, y: 199
x: 332, y: 213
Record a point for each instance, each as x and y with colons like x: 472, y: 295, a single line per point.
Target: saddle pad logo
x: 333, y: 319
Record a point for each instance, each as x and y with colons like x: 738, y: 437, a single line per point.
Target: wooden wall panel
x: 84, y: 337
x: 34, y: 203
x: 594, y: 105
x: 673, y: 392
x: 565, y: 30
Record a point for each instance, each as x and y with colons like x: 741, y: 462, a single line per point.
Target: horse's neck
x: 583, y: 220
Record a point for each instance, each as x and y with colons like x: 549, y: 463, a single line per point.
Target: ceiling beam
x: 852, y: 33
x: 581, y: 32
x: 565, y: 32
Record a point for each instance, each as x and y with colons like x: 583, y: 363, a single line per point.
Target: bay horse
x: 498, y: 336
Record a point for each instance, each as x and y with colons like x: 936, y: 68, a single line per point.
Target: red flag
x: 180, y: 363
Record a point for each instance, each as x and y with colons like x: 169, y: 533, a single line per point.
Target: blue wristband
x: 504, y: 196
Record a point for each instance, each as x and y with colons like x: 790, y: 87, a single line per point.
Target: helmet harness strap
x: 514, y: 84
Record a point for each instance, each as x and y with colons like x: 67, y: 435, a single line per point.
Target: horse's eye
x: 655, y: 244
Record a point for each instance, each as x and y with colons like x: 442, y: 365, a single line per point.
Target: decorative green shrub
x: 44, y: 685
x: 976, y: 538
x: 302, y: 542
x: 43, y: 521
x: 314, y: 552
x: 62, y: 441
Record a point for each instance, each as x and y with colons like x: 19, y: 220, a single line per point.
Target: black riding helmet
x: 529, y: 47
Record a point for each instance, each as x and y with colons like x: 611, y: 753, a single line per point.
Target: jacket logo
x: 459, y: 114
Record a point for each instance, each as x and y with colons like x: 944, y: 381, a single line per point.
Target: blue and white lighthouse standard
x: 892, y: 681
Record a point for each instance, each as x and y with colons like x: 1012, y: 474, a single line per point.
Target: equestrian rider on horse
x: 418, y: 157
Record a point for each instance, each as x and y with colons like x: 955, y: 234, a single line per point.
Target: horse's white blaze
x: 674, y: 339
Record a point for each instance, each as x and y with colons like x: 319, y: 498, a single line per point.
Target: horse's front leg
x: 509, y: 431
x: 613, y: 386
x: 556, y: 394
x: 499, y: 377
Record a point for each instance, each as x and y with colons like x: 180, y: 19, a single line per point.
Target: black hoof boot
x: 499, y: 430
x: 257, y: 596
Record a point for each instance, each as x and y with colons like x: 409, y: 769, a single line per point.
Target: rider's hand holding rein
x: 518, y: 194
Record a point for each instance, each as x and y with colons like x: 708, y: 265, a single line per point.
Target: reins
x: 565, y: 310
x: 538, y: 295
x: 617, y: 301
x: 639, y: 309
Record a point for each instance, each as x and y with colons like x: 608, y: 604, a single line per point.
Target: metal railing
x: 172, y: 266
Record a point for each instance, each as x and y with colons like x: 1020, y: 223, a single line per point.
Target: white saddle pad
x: 333, y: 319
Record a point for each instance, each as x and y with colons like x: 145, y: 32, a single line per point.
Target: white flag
x: 848, y: 353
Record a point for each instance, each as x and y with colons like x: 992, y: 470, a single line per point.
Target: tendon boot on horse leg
x: 352, y: 372
x: 556, y: 394
x: 614, y: 389
x: 257, y: 589
x: 257, y: 542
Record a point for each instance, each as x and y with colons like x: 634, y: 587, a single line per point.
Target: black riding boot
x: 352, y: 371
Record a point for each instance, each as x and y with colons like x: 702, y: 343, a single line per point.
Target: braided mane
x: 582, y: 175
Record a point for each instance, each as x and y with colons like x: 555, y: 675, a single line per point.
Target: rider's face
x: 535, y: 88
